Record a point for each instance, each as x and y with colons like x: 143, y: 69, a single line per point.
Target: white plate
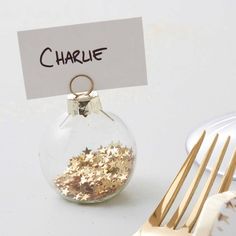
x: 225, y: 126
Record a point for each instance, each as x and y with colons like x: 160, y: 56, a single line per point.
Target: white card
x: 112, y: 53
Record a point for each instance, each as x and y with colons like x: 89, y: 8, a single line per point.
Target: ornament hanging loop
x: 81, y: 76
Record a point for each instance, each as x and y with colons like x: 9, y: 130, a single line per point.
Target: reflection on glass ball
x: 88, y: 159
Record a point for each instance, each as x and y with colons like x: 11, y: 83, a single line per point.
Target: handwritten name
x: 63, y: 58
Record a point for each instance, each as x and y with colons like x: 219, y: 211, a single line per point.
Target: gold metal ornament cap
x: 83, y: 103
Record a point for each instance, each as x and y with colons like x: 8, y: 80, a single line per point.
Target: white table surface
x: 191, y: 54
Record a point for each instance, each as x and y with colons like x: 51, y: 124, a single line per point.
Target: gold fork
x: 154, y: 226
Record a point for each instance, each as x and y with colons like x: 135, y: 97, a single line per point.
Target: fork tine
x: 205, y: 192
x: 167, y: 201
x: 174, y: 221
x: 227, y: 179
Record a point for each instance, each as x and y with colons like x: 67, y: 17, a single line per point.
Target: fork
x: 154, y: 225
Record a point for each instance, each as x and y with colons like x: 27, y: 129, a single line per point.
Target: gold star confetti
x: 95, y: 175
x: 87, y: 151
x: 65, y: 191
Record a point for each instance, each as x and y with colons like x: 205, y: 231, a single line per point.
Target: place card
x: 111, y: 53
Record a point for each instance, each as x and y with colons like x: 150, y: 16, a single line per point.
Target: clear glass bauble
x: 88, y: 159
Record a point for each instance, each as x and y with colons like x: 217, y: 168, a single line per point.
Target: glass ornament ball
x: 88, y: 158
